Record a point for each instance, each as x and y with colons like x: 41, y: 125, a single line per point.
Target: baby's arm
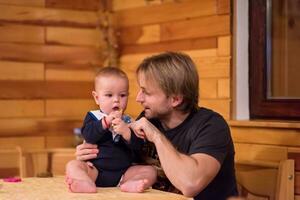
x: 93, y: 130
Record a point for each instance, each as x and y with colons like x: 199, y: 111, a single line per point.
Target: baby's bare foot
x: 134, y: 186
x: 81, y: 186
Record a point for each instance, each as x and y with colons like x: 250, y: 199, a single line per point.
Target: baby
x: 118, y: 146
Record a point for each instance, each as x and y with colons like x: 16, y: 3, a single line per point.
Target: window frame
x: 260, y: 106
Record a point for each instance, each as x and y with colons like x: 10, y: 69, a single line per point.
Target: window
x: 274, y: 59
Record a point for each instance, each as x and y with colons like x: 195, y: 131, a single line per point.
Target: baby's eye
x: 108, y: 95
x: 123, y: 95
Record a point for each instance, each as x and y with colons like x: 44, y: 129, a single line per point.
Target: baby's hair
x: 111, y: 71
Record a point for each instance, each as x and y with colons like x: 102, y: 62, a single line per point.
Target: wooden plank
x: 38, y: 126
x: 60, y: 141
x: 75, y: 36
x: 218, y: 25
x: 224, y: 46
x: 87, y: 66
x: 45, y: 53
x: 21, y: 71
x: 214, y: 67
x: 23, y: 142
x: 59, y: 161
x: 69, y: 75
x: 65, y: 108
x: 21, y: 108
x: 259, y: 152
x: 285, y: 186
x: 208, y: 88
x: 224, y: 88
x: 222, y: 106
x: 271, y: 136
x: 140, y: 34
x: 223, y: 7
x: 126, y: 4
x: 176, y: 45
x: 21, y: 33
x: 45, y: 89
x: 38, y: 3
x: 297, y: 183
x: 74, y: 4
x: 44, y: 16
x: 153, y: 14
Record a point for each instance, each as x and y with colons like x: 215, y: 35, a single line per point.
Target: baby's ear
x: 95, y: 95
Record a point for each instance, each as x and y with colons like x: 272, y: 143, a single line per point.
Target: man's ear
x: 95, y: 95
x: 176, y: 100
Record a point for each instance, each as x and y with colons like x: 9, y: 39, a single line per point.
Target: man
x: 193, y: 144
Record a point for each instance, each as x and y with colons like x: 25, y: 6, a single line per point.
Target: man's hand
x: 145, y: 129
x: 86, y: 151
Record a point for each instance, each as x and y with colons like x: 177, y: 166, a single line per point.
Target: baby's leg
x: 138, y: 178
x: 80, y: 177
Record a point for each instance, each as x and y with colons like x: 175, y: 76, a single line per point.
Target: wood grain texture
x: 196, y: 27
x: 65, y: 107
x: 45, y: 89
x: 38, y: 3
x: 44, y: 16
x: 154, y: 14
x: 223, y: 7
x: 93, y: 5
x: 22, y: 33
x: 74, y: 36
x: 50, y: 53
x: 38, y: 126
x: 22, y: 108
x: 21, y: 71
x: 176, y: 45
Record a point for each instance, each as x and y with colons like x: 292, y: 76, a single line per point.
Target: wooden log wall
x: 49, y: 50
x: 198, y: 28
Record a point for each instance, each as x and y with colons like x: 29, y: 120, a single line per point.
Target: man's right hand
x: 86, y: 151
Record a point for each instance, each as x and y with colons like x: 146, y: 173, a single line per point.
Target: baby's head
x: 111, y: 89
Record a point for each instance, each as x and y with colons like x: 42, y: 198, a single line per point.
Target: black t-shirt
x: 205, y: 131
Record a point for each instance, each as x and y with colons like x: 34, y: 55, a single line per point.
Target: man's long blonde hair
x: 176, y: 74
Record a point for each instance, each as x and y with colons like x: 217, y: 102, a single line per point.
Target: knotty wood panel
x: 165, y: 12
x: 139, y: 34
x: 50, y: 53
x: 38, y: 126
x: 21, y: 108
x: 21, y: 71
x: 48, y: 89
x: 61, y: 141
x: 177, y: 45
x: 74, y: 4
x: 213, y: 67
x: 44, y: 16
x: 74, y: 36
x: 218, y: 25
x: 65, y: 108
x: 21, y: 33
x: 126, y: 4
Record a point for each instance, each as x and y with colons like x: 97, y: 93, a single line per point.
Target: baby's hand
x: 113, y: 115
x: 120, y: 127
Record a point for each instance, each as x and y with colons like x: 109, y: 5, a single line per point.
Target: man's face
x: 155, y: 102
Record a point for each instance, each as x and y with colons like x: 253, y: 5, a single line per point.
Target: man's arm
x: 188, y: 173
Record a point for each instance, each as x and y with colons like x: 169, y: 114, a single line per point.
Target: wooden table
x: 55, y: 188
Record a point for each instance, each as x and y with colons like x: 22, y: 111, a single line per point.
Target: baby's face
x: 111, y: 93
